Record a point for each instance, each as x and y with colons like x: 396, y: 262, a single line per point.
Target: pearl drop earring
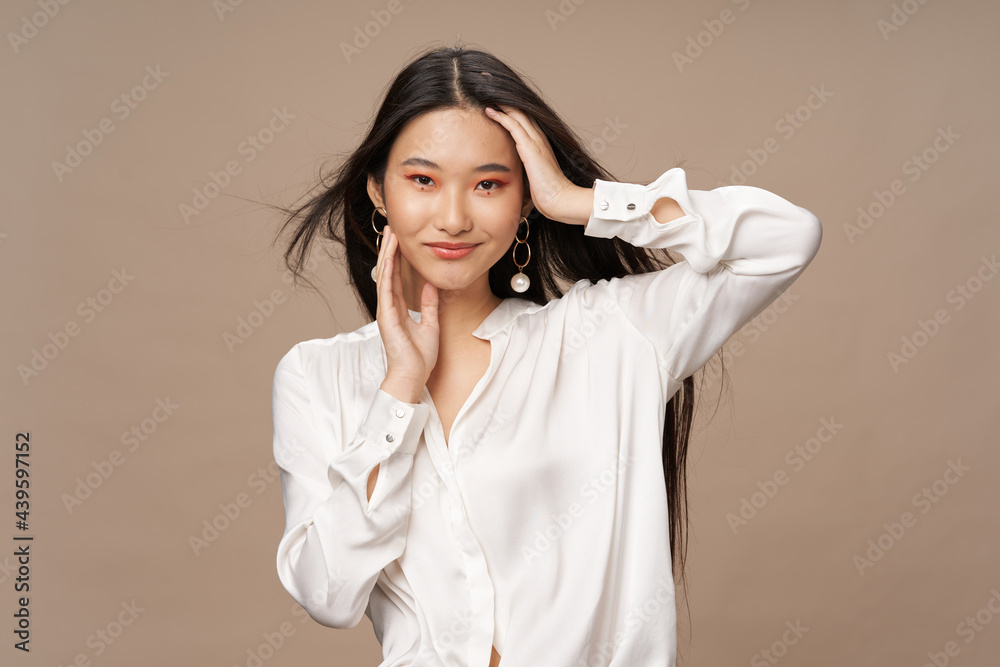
x: 520, y: 282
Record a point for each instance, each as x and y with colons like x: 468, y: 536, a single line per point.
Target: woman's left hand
x: 554, y: 195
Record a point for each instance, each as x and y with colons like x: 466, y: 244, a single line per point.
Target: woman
x: 493, y: 467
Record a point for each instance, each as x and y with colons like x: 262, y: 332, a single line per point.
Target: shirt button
x: 631, y: 207
x: 604, y: 205
x: 400, y: 412
x: 388, y: 437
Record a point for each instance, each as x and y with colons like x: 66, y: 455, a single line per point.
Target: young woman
x: 493, y: 468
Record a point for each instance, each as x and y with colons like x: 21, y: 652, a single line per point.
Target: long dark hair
x: 341, y: 211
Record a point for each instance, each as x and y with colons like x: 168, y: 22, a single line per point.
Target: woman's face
x: 454, y: 177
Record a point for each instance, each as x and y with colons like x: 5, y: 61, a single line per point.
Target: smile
x: 449, y: 252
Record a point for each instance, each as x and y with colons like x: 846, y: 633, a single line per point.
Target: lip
x: 451, y: 250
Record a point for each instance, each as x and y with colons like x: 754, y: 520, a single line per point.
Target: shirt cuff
x: 394, y: 424
x: 619, y: 206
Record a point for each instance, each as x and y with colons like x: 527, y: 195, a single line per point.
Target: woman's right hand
x: 411, y: 348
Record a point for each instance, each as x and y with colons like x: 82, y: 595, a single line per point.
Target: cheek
x: 406, y: 246
x: 500, y: 216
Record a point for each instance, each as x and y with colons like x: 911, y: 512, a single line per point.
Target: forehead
x: 456, y: 139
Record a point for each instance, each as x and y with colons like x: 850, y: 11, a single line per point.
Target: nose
x: 454, y: 217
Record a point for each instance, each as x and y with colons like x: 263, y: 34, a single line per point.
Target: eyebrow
x: 424, y: 162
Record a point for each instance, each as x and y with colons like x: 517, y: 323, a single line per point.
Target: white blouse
x: 542, y: 527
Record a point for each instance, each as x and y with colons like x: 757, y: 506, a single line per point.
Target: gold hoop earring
x: 378, y: 239
x: 520, y: 282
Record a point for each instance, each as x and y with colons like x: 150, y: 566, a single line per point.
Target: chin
x: 450, y: 280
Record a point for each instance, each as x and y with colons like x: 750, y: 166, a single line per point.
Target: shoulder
x: 307, y: 356
x: 582, y: 306
x: 607, y: 295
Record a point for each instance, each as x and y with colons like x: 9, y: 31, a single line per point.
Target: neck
x: 460, y: 311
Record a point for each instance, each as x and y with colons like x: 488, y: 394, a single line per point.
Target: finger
x: 385, y: 281
x: 530, y: 126
x: 388, y: 249
x: 512, y: 124
x: 396, y: 280
x: 383, y: 302
x: 380, y: 255
x: 429, y: 306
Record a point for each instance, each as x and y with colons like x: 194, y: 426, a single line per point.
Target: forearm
x: 748, y: 230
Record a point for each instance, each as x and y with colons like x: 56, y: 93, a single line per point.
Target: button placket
x: 479, y: 637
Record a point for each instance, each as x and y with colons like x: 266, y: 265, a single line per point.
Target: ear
x: 374, y: 192
x: 528, y: 206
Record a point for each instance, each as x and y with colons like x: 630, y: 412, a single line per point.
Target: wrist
x: 405, y: 390
x: 580, y: 205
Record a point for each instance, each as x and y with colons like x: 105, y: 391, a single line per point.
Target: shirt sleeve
x: 742, y: 247
x: 336, y: 541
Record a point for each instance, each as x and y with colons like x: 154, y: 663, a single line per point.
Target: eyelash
x: 497, y: 184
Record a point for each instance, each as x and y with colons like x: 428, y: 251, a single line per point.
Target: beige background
x: 824, y: 356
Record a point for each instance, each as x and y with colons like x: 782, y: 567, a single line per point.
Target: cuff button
x: 631, y: 207
x: 400, y: 412
x: 603, y: 206
x: 388, y: 437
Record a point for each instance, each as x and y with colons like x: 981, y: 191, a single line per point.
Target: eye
x: 417, y: 178
x: 496, y: 185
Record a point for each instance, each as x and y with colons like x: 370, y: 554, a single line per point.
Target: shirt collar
x: 499, y: 319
